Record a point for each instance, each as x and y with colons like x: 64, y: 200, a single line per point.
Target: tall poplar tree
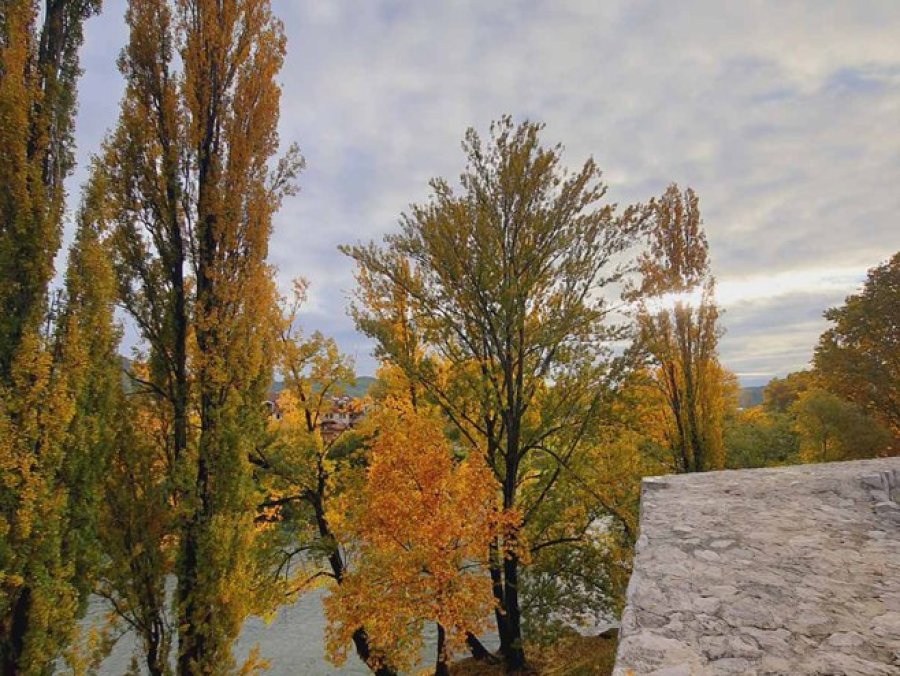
x: 678, y: 326
x: 38, y: 75
x: 506, y: 281
x: 193, y: 196
x: 40, y: 556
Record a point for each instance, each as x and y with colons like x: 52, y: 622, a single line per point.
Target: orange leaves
x: 419, y: 529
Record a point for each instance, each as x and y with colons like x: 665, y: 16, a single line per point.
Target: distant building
x: 271, y: 403
x: 345, y: 413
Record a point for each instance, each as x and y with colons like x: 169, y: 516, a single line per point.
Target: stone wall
x: 792, y: 570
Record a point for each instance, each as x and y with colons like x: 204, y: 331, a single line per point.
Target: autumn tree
x: 138, y: 529
x: 780, y: 393
x: 831, y: 428
x: 192, y: 196
x: 71, y: 423
x: 759, y: 437
x: 418, y: 532
x: 44, y: 557
x: 504, y: 282
x: 39, y: 67
x: 858, y: 357
x: 93, y: 370
x: 678, y: 327
x: 307, y: 469
x: 387, y: 314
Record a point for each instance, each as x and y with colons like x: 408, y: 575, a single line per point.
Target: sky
x: 783, y: 116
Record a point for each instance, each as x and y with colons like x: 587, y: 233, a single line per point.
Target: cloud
x: 781, y: 115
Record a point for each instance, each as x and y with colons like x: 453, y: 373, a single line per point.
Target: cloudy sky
x: 783, y: 116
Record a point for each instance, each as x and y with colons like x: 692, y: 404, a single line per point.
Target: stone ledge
x: 884, y: 488
x: 792, y: 570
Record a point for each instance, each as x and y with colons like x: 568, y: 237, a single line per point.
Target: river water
x: 293, y: 642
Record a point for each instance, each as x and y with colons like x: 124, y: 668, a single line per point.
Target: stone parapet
x: 792, y: 570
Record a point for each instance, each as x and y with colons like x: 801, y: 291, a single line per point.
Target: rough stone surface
x: 793, y: 570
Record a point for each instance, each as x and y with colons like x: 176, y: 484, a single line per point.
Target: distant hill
x: 750, y: 396
x: 363, y: 383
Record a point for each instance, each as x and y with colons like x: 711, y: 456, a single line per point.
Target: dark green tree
x: 44, y: 384
x: 858, y: 357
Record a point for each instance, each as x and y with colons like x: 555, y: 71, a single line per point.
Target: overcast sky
x: 783, y: 116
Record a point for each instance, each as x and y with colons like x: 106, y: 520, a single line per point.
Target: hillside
x: 751, y: 396
x: 360, y: 389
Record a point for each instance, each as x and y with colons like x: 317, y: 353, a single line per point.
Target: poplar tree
x: 506, y: 283
x: 678, y: 328
x: 193, y: 196
x: 42, y: 553
x: 38, y: 75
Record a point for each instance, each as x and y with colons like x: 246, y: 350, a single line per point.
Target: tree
x: 192, y: 197
x: 93, y: 370
x: 758, y: 437
x: 780, y: 393
x: 39, y: 66
x: 504, y: 285
x: 833, y: 429
x: 305, y: 470
x: 858, y: 357
x: 42, y: 552
x: 138, y: 528
x: 419, y: 530
x: 677, y: 322
x: 66, y: 435
x: 387, y: 313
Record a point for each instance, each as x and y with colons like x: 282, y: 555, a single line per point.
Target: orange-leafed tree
x: 417, y: 533
x: 306, y: 468
x: 508, y: 282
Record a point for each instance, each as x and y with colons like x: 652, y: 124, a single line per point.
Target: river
x: 293, y: 642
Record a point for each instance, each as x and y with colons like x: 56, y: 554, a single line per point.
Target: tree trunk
x: 478, y: 651
x: 497, y: 588
x: 511, y: 639
x: 155, y: 660
x: 440, y: 664
x: 17, y: 630
x: 190, y: 647
x: 515, y: 653
x: 360, y: 637
x: 192, y: 619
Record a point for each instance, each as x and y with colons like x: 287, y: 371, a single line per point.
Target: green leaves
x: 859, y: 355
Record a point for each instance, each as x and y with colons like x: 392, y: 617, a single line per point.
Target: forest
x: 541, y: 349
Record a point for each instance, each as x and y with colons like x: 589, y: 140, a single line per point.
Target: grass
x: 571, y: 655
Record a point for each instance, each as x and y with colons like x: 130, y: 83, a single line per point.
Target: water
x: 293, y: 642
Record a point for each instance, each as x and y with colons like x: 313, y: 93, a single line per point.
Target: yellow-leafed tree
x: 44, y: 355
x: 191, y: 195
x: 678, y: 329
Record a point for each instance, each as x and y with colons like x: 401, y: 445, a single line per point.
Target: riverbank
x: 572, y: 655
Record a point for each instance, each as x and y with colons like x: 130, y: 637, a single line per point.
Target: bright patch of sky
x: 782, y: 116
